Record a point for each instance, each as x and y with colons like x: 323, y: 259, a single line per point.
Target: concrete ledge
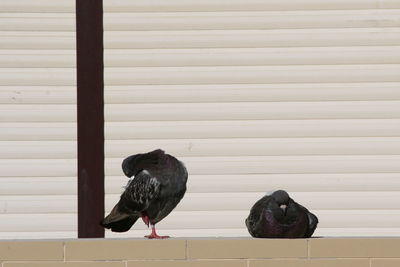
x: 199, y: 252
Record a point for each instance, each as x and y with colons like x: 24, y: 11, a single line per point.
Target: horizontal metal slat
x: 54, y: 204
x: 246, y: 38
x: 244, y: 201
x: 219, y: 165
x: 359, y: 232
x: 42, y: 223
x: 358, y: 218
x: 212, y: 202
x: 242, y: 232
x: 252, y: 111
x: 250, y: 129
x: 208, y: 57
x: 245, y: 93
x: 241, y: 75
x: 37, y: 167
x: 207, y: 93
x: 38, y: 6
x: 38, y: 235
x: 200, y: 220
x: 207, y: 129
x: 208, y: 75
x: 207, y: 20
x: 38, y: 94
x: 210, y: 232
x: 230, y: 147
x: 210, y: 111
x: 249, y: 20
x: 235, y: 219
x: 233, y: 57
x: 38, y: 149
x: 37, y: 113
x: 321, y: 182
x: 233, y: 5
x: 10, y: 186
x: 37, y: 76
x: 237, y: 232
x: 344, y: 182
x: 35, y: 60
x: 210, y: 147
x: 279, y: 164
x: 37, y: 131
x: 195, y: 5
x: 37, y: 21
x: 209, y: 39
x: 37, y: 40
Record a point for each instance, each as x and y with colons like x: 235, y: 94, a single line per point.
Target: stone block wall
x: 232, y: 252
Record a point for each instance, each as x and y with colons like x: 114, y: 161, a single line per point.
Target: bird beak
x: 283, y: 207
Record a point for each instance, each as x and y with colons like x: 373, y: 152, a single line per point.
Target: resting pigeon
x: 279, y: 216
x: 158, y: 185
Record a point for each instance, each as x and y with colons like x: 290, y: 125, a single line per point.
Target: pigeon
x: 278, y: 216
x: 158, y: 184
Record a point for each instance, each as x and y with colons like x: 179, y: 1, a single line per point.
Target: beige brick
x: 65, y: 264
x: 246, y: 248
x: 354, y: 247
x: 310, y: 263
x: 386, y: 262
x: 31, y: 250
x: 106, y: 249
x: 189, y: 263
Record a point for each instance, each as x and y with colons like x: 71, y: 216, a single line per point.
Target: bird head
x: 128, y: 166
x: 282, y: 199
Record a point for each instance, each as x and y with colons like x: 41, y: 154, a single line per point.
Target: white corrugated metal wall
x: 37, y: 119
x: 251, y: 95
x: 259, y: 95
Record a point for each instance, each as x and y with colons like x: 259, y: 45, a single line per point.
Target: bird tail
x: 118, y: 221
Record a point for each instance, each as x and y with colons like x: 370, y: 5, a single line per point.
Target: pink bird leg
x: 154, y: 235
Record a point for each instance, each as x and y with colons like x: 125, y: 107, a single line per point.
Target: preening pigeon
x: 279, y: 216
x: 158, y: 185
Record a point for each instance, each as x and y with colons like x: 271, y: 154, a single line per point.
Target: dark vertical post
x: 90, y: 100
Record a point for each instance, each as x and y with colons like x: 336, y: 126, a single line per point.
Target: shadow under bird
x: 158, y: 185
x: 279, y: 216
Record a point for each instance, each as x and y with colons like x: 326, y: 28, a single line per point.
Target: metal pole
x: 90, y: 105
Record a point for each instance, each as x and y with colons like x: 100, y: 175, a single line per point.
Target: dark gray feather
x: 141, y: 190
x: 158, y: 185
x: 267, y: 218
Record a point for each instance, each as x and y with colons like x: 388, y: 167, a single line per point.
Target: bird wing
x: 139, y: 192
x: 312, y: 221
x: 134, y: 164
x: 256, y: 215
x: 312, y: 224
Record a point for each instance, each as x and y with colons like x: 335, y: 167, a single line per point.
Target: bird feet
x: 154, y: 235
